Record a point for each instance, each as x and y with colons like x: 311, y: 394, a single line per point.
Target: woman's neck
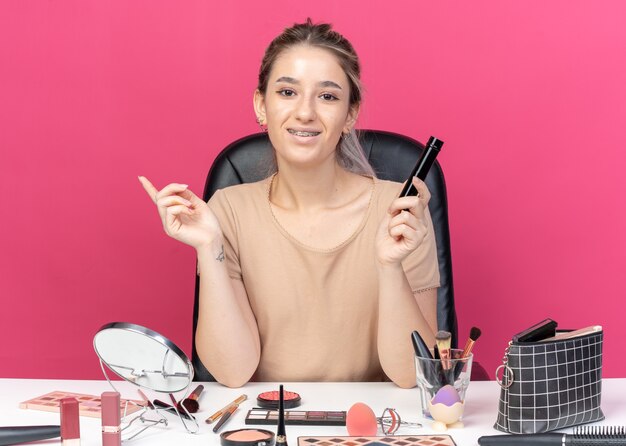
x: 306, y: 190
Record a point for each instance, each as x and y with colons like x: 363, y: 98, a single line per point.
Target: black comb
x: 597, y: 435
x: 582, y: 436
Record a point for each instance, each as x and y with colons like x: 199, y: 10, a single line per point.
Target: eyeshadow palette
x: 298, y: 417
x: 396, y: 440
x: 88, y: 405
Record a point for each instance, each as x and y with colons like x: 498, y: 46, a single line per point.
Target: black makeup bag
x: 550, y: 385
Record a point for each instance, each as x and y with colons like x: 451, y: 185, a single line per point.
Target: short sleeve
x: 421, y: 266
x: 225, y: 214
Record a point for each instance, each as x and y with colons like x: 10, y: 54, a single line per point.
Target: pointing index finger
x: 149, y: 188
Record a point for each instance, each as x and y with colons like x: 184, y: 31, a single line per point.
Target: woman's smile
x: 306, y: 105
x: 307, y: 133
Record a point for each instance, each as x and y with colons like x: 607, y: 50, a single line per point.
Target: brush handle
x: 24, y: 434
x: 460, y: 364
x: 171, y: 409
x: 524, y: 440
x: 222, y: 421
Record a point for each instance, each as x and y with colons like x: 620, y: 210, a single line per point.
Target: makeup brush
x: 220, y: 412
x: 225, y: 417
x: 191, y: 402
x: 469, y: 345
x: 582, y: 436
x: 281, y: 436
x: 171, y: 409
x: 443, y: 339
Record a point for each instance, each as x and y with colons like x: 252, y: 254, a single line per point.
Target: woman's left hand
x: 404, y: 226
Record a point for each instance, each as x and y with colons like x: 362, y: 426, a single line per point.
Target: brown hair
x: 321, y: 36
x: 349, y: 152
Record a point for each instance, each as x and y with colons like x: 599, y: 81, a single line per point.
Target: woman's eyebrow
x: 324, y: 84
x: 329, y: 84
x: 287, y: 79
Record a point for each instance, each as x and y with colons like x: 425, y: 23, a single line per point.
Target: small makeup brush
x: 191, y: 402
x: 443, y: 339
x: 225, y: 417
x: 469, y: 345
x: 171, y: 409
x: 281, y: 436
x: 220, y: 412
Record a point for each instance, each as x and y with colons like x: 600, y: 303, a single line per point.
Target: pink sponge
x: 361, y: 421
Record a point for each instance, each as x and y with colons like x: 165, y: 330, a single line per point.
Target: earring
x: 347, y: 136
x: 260, y: 122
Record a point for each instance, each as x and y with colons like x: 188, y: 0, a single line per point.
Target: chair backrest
x: 391, y: 155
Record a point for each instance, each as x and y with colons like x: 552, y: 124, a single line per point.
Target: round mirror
x: 143, y: 357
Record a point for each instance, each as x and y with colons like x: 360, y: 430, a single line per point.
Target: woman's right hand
x: 184, y: 215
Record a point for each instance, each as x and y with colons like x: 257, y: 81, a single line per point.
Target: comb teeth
x: 599, y: 435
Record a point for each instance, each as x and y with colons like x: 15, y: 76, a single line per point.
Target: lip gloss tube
x: 111, y: 432
x: 70, y: 424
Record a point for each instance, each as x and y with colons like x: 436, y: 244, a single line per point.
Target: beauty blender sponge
x: 361, y: 421
x: 447, y: 396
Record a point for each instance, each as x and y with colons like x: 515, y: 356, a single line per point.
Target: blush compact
x: 247, y: 437
x: 269, y: 400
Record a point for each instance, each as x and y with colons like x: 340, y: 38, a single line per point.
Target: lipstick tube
x: 70, y: 423
x: 111, y: 432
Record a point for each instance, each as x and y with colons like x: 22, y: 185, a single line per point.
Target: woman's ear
x: 259, y: 107
x: 353, y: 114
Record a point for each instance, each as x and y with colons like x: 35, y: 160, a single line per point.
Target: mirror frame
x: 152, y: 335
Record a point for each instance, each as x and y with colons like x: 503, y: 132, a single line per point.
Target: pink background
x: 530, y: 98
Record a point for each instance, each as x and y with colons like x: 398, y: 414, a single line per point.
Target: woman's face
x: 306, y: 106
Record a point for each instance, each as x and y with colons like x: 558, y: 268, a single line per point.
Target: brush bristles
x: 475, y: 333
x: 443, y: 335
x: 443, y: 339
x: 599, y: 435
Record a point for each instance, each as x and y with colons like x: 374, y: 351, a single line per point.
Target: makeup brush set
x: 444, y: 363
x: 442, y: 377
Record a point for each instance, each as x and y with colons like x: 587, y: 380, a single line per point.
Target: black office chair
x: 391, y: 155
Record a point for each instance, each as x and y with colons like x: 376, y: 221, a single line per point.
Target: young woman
x: 317, y: 272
